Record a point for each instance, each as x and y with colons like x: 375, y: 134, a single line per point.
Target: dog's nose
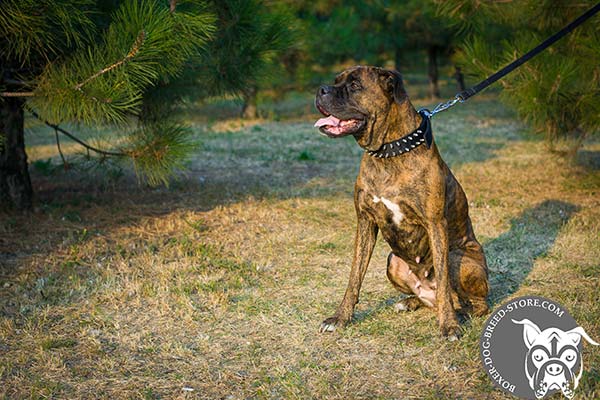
x: 554, y: 369
x: 325, y: 90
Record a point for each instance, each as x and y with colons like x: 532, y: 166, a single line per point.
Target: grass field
x: 215, y: 287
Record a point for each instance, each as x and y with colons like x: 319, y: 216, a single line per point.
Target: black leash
x: 464, y: 95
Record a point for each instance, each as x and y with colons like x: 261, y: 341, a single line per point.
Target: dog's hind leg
x: 469, y: 277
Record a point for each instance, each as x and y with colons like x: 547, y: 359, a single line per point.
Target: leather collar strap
x: 409, y: 142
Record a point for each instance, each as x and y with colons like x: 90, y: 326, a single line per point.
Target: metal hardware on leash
x: 444, y: 106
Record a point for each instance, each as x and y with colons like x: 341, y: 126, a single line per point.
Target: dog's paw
x: 453, y: 338
x: 479, y: 307
x: 408, y: 304
x: 451, y: 330
x: 331, y: 324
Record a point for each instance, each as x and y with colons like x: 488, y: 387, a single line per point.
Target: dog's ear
x: 576, y: 334
x: 530, y: 331
x: 392, y: 83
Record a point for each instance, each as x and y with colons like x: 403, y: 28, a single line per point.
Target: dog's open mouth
x: 332, y: 126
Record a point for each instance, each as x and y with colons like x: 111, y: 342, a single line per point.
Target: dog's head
x: 358, y: 101
x: 553, y: 361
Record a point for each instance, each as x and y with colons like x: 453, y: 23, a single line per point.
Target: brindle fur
x: 435, y: 234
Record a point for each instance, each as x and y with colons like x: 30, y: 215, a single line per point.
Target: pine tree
x: 242, y: 56
x: 93, y: 63
x: 264, y: 30
x: 558, y: 91
x: 128, y: 66
x: 422, y: 28
x: 374, y: 31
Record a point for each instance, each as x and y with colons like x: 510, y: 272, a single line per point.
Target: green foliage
x: 335, y: 33
x: 34, y: 31
x: 420, y: 23
x: 97, y: 62
x: 338, y: 37
x: 251, y: 36
x: 257, y: 32
x: 105, y: 82
x: 380, y: 32
x: 558, y: 91
x: 45, y: 167
x: 158, y: 149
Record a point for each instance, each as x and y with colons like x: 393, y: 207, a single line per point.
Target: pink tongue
x: 331, y: 120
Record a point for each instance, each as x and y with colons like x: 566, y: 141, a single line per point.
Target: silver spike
x: 406, y: 149
x: 419, y: 131
x: 404, y: 140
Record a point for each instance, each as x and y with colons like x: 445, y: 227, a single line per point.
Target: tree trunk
x: 432, y: 72
x: 398, y: 59
x: 249, y: 109
x: 15, y: 185
x: 460, y: 78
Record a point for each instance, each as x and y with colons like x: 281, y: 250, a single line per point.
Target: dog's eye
x: 570, y: 357
x: 355, y: 85
x: 538, y: 357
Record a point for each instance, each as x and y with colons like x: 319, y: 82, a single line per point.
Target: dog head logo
x: 553, y: 361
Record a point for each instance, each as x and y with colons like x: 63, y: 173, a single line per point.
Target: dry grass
x: 214, y: 288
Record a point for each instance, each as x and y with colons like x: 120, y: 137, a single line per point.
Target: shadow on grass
x: 458, y: 152
x: 368, y: 313
x: 589, y: 159
x: 511, y: 255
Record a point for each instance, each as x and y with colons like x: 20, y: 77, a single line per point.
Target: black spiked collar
x: 409, y: 142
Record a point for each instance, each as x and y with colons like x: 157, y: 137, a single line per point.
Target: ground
x: 214, y: 288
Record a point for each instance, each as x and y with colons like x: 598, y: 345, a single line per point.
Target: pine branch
x: 62, y: 157
x: 139, y: 41
x: 76, y: 139
x: 17, y: 94
x: 156, y: 151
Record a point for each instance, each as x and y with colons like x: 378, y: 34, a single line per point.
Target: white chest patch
x: 397, y: 215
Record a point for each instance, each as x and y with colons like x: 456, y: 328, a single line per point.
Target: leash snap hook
x: 444, y: 106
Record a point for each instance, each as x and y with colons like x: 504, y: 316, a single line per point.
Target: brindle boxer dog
x: 410, y: 196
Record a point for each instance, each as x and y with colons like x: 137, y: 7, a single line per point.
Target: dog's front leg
x: 438, y: 236
x: 366, y: 236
